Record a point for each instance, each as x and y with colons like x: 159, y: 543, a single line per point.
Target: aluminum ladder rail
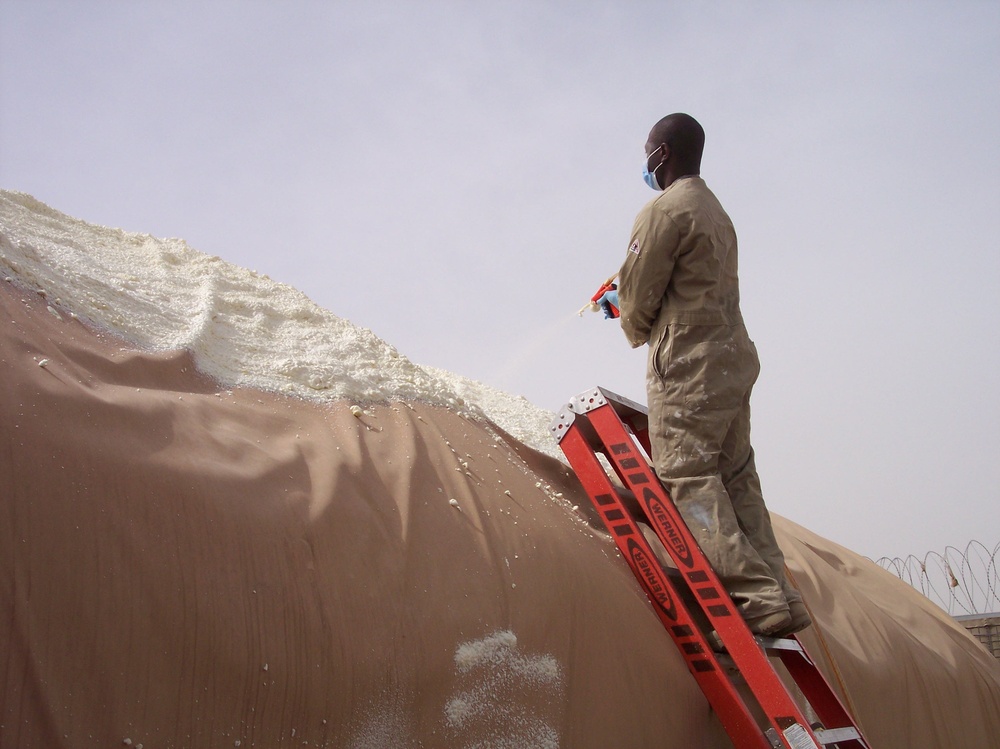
x: 598, y: 421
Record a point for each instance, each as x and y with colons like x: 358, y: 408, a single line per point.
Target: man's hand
x: 609, y: 303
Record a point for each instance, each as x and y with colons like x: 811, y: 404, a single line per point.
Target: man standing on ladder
x: 678, y: 291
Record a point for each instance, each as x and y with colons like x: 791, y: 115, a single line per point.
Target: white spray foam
x: 510, y: 700
x: 242, y: 328
x: 386, y: 724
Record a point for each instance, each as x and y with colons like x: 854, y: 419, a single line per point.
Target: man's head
x: 674, y: 148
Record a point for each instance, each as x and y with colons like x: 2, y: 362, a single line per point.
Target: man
x: 678, y: 291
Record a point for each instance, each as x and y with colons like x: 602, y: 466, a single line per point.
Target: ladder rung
x: 769, y: 644
x: 779, y: 643
x: 829, y: 736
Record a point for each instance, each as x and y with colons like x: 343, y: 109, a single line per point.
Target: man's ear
x: 664, y: 151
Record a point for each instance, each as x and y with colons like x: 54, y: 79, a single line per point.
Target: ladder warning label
x: 798, y: 738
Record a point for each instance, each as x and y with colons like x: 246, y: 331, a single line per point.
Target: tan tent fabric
x: 912, y: 675
x: 183, y: 566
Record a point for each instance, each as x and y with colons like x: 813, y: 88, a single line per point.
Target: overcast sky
x: 460, y: 176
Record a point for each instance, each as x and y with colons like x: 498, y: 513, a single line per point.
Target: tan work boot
x: 765, y: 626
x: 768, y: 624
x: 800, y: 619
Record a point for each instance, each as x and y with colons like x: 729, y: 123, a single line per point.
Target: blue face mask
x: 649, y: 177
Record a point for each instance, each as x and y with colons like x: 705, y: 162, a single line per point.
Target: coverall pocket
x: 704, y: 367
x: 659, y: 352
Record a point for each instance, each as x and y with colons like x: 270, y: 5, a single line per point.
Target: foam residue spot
x: 506, y: 699
x: 386, y: 724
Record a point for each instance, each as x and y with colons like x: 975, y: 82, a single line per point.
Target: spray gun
x: 595, y: 303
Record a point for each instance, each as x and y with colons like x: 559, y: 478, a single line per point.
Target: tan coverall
x: 678, y: 292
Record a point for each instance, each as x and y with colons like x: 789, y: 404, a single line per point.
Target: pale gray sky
x: 459, y: 177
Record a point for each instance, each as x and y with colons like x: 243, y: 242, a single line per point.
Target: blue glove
x: 608, y: 300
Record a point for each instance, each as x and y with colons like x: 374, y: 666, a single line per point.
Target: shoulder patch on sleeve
x: 634, y: 247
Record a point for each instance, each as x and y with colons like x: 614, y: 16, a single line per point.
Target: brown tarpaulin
x: 184, y: 566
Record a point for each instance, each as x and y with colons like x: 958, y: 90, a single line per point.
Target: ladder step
x: 825, y: 736
x: 779, y: 643
x: 770, y: 645
x: 829, y: 736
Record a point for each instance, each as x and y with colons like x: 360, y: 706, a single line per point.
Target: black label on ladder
x: 657, y: 513
x: 645, y: 565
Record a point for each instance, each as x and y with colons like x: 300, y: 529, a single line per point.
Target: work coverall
x: 678, y: 292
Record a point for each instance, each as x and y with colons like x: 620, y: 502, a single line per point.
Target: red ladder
x: 599, y: 421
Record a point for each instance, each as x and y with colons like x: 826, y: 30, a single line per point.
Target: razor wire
x: 962, y: 582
